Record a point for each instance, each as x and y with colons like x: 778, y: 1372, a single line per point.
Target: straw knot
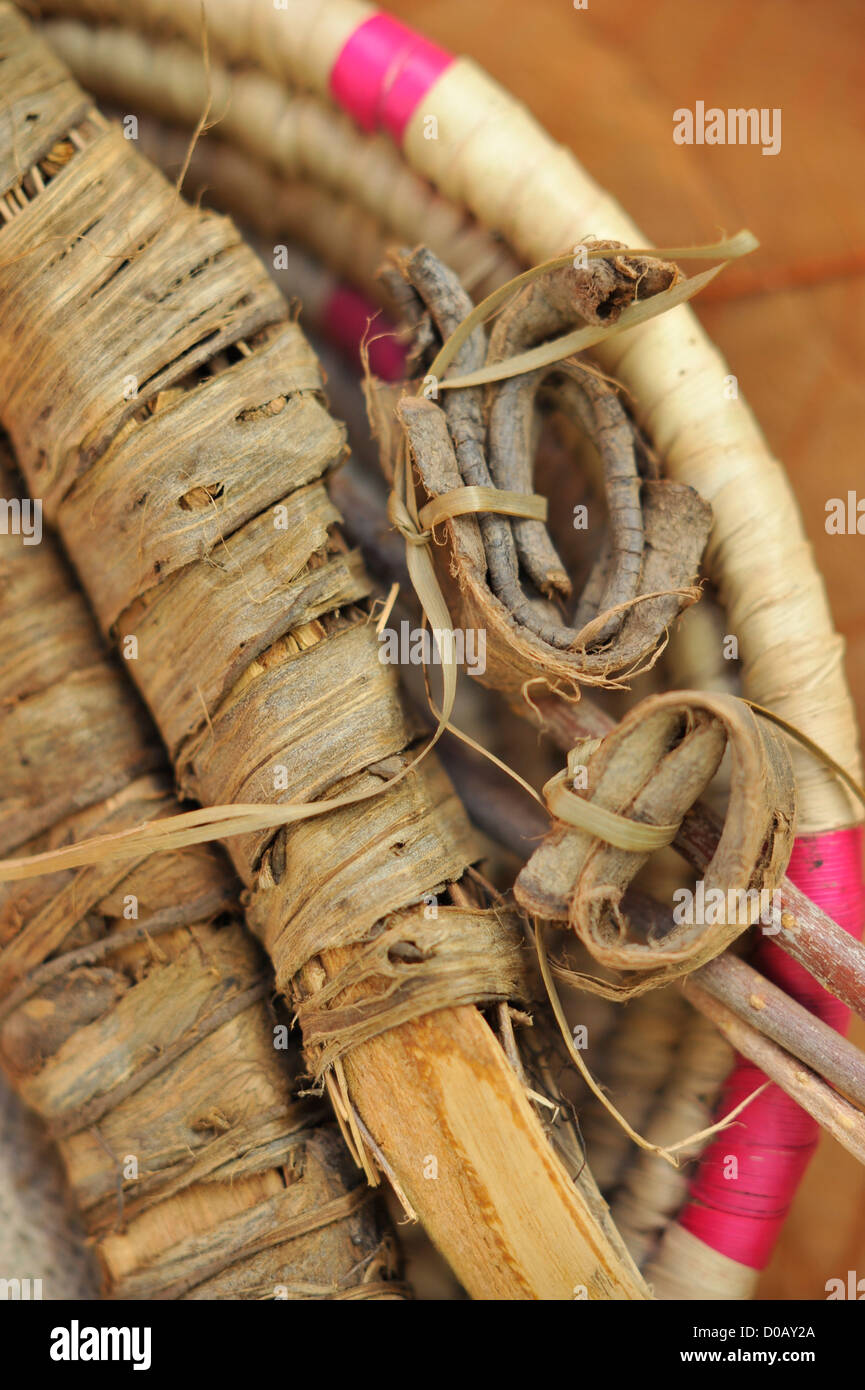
x: 636, y: 787
x: 402, y: 520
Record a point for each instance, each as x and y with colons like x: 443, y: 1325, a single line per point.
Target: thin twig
x: 762, y: 1005
x: 843, y: 1121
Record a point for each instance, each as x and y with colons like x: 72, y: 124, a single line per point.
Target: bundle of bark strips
x: 134, y: 1008
x: 189, y: 442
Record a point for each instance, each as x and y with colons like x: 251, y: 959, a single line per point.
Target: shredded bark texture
x: 226, y: 566
x: 133, y: 1013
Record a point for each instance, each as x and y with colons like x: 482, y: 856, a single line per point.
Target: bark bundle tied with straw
x: 504, y: 576
x: 192, y: 475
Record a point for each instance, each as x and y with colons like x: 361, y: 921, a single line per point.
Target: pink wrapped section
x: 383, y: 71
x: 774, y: 1139
x: 347, y: 316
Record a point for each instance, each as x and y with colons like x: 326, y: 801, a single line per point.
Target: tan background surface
x: 606, y: 80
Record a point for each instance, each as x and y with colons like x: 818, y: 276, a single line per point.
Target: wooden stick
x: 834, y: 957
x: 526, y: 1228
x: 833, y: 1112
x: 764, y: 1006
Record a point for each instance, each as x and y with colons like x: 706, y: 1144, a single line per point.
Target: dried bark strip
x: 831, y: 955
x: 836, y: 960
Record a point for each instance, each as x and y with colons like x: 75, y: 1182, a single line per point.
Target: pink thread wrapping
x: 346, y: 318
x: 383, y: 71
x: 775, y: 1138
